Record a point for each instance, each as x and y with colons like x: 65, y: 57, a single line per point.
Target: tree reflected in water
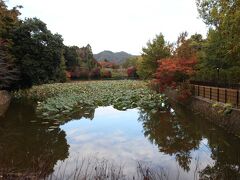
x: 225, y: 153
x: 28, y: 145
x: 33, y: 146
x: 178, y: 133
x: 171, y: 135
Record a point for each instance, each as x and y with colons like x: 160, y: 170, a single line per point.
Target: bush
x: 184, y: 92
x: 132, y: 72
x: 95, y: 73
x: 80, y: 73
x: 106, y: 73
x: 119, y: 73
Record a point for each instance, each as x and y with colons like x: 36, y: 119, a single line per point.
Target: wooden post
x: 218, y: 94
x: 204, y: 91
x: 237, y: 98
x: 210, y: 93
x: 225, y: 95
x: 198, y: 90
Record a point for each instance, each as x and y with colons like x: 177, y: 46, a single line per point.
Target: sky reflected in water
x: 175, y: 142
x: 119, y: 136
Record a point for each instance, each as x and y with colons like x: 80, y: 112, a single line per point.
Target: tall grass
x: 90, y: 169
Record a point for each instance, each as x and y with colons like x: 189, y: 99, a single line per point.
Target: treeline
x: 30, y: 54
x: 215, y: 58
x: 160, y: 54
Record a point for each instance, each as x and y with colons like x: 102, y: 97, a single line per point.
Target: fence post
x: 218, y: 94
x: 198, y: 90
x: 237, y: 97
x: 225, y: 95
x: 210, y: 93
x: 204, y: 91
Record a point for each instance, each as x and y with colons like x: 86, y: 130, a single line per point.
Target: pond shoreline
x: 227, y: 118
x: 207, y: 109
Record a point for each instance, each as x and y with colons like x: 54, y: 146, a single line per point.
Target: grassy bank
x: 59, y: 100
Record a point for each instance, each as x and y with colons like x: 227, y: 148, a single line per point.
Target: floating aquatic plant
x: 59, y: 100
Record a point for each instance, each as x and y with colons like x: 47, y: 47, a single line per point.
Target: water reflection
x: 181, y: 143
x: 27, y: 145
x: 172, y: 135
x: 179, y: 133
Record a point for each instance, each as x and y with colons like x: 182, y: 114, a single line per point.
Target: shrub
x: 80, y: 73
x: 132, y: 72
x: 184, y: 92
x: 95, y: 73
x: 106, y: 73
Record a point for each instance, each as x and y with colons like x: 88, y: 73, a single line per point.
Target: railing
x: 224, y: 95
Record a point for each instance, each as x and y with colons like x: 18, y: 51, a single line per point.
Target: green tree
x: 156, y: 49
x: 80, y: 61
x: 188, y: 47
x: 91, y: 62
x: 71, y: 57
x: 221, y: 53
x: 131, y: 62
x: 38, y: 53
x: 60, y: 73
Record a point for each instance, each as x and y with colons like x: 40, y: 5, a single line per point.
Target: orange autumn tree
x: 173, y: 71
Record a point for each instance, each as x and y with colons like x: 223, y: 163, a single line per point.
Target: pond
x: 111, y: 144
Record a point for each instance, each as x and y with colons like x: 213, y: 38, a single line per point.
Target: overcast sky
x: 116, y: 25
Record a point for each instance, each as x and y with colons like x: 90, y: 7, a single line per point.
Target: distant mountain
x: 117, y: 57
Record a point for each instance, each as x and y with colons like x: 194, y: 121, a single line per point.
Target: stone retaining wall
x: 226, y: 117
x: 206, y: 108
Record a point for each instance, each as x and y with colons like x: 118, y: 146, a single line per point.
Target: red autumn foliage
x: 106, y: 74
x: 132, y: 72
x: 172, y: 71
x: 106, y: 64
x: 183, y: 92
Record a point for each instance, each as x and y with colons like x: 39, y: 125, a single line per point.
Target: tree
x: 131, y: 62
x: 172, y: 71
x: 188, y: 47
x: 60, y: 73
x: 156, y: 49
x: 39, y: 53
x: 80, y: 61
x: 8, y: 20
x: 71, y: 57
x: 222, y: 48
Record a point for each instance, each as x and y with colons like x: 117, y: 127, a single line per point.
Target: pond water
x: 171, y: 144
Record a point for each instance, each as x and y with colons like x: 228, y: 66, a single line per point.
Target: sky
x: 116, y: 25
